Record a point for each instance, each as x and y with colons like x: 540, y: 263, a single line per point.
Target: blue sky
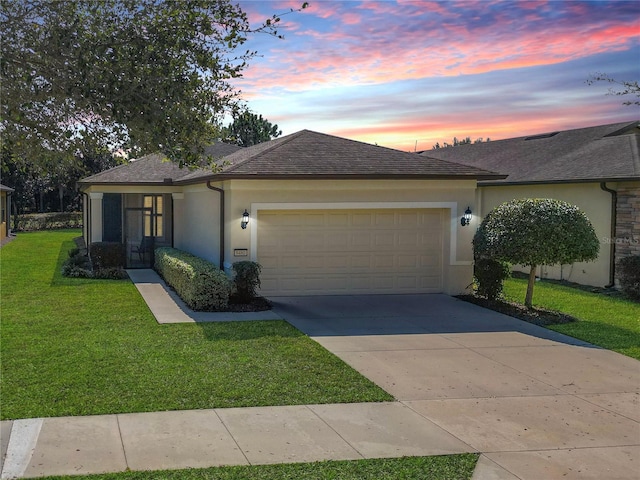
x: 407, y: 74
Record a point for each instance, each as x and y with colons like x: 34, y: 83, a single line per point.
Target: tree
x: 249, y: 129
x: 628, y: 87
x: 534, y: 232
x: 140, y: 75
x: 456, y: 142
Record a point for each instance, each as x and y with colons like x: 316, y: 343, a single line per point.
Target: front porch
x: 142, y: 222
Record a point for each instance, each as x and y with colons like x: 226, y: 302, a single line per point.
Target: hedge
x: 47, y: 221
x: 200, y: 284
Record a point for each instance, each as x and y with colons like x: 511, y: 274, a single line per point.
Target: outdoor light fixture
x: 245, y: 219
x: 466, y: 218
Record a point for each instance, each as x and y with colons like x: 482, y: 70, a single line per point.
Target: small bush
x: 201, y: 284
x: 628, y: 270
x: 108, y: 255
x: 490, y: 275
x: 77, y: 265
x: 73, y: 271
x: 111, y: 273
x: 246, y: 280
x: 47, y: 221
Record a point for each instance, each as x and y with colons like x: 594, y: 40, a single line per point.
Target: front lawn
x: 86, y: 347
x: 610, y: 322
x: 445, y: 467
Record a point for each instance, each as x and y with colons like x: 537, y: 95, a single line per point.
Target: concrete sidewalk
x: 230, y: 436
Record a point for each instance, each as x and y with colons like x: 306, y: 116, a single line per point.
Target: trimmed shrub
x: 628, y: 270
x: 200, y: 284
x: 108, y: 255
x: 111, y: 273
x: 490, y: 275
x: 77, y: 265
x: 47, y: 221
x: 73, y: 271
x: 246, y: 279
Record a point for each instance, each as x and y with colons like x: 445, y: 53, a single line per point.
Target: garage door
x: 306, y: 252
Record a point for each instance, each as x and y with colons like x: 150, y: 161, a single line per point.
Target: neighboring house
x: 596, y: 168
x: 5, y: 211
x: 326, y: 215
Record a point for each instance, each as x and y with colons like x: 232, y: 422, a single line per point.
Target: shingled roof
x: 600, y: 153
x: 154, y: 168
x: 304, y: 154
x: 308, y: 154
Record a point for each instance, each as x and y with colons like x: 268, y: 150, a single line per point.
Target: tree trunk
x: 532, y: 281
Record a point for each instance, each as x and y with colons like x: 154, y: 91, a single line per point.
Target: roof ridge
x: 277, y: 142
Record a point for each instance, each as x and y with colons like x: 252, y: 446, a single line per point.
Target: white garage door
x: 306, y: 252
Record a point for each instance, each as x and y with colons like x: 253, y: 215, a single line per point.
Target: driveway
x: 537, y: 404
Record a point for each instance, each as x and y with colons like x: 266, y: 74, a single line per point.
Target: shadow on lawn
x: 248, y: 330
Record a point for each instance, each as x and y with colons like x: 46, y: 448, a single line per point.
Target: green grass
x: 446, y: 467
x: 85, y: 347
x: 609, y: 322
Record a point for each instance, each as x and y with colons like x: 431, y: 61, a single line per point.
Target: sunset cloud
x: 394, y: 70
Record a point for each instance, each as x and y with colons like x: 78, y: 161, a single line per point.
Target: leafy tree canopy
x: 534, y: 232
x: 137, y: 75
x: 249, y: 129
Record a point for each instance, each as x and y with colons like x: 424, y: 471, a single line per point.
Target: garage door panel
x: 362, y: 220
x: 386, y: 240
x: 362, y: 261
x: 409, y: 219
x: 361, y: 240
x: 387, y: 219
x: 360, y: 251
x: 337, y: 219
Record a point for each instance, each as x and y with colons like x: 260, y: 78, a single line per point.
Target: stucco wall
x: 252, y: 195
x: 197, y: 225
x: 590, y: 198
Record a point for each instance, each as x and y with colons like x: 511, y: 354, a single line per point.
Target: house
x: 596, y: 168
x: 5, y: 211
x: 321, y: 214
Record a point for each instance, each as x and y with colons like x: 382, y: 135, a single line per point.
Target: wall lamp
x: 245, y: 219
x: 466, y: 218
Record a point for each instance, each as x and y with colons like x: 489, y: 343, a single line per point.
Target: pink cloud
x: 342, y: 57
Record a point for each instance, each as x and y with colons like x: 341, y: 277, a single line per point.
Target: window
x: 153, y: 216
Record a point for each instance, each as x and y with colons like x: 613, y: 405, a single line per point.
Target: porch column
x: 177, y: 223
x: 95, y: 205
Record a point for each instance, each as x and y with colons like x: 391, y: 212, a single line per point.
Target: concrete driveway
x: 537, y: 404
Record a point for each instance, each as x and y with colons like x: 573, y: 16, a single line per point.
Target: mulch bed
x: 535, y: 315
x: 258, y: 304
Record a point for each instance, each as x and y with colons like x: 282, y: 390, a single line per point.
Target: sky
x: 408, y: 74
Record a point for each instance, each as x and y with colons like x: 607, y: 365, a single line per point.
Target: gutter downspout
x: 612, y: 238
x: 221, y: 192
